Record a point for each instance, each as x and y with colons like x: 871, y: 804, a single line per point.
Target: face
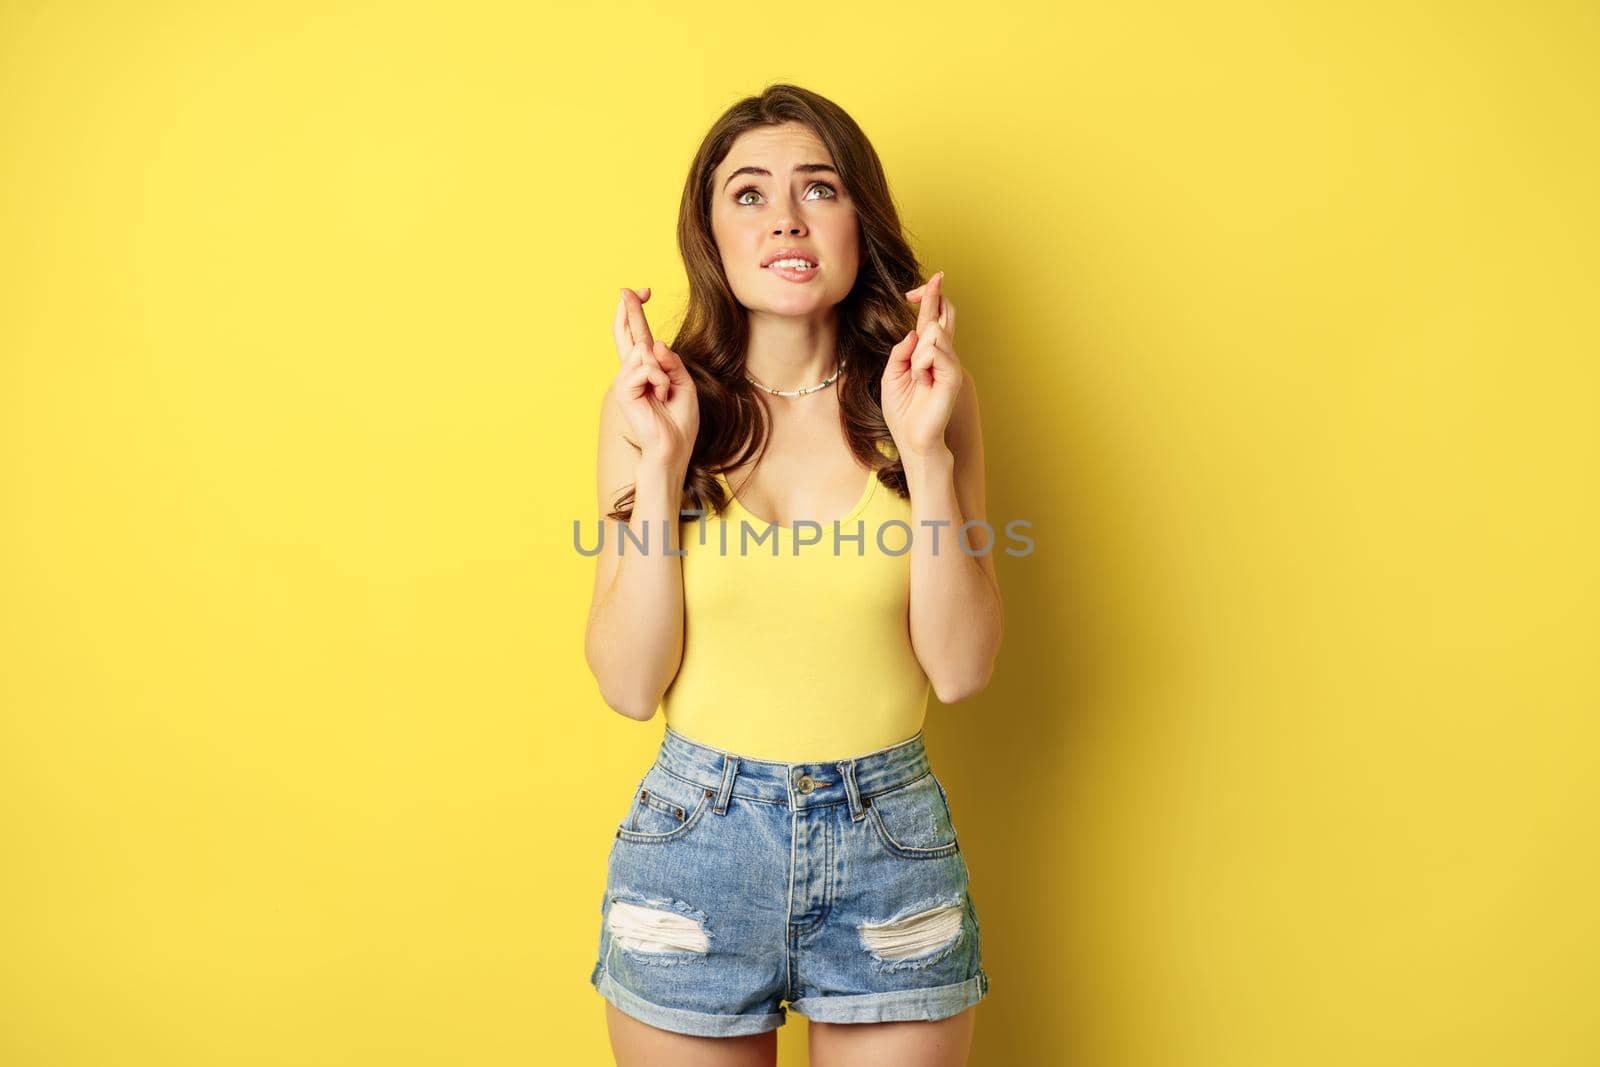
x: 787, y: 206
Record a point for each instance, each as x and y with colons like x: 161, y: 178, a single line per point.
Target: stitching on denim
x: 827, y: 883
x: 637, y: 838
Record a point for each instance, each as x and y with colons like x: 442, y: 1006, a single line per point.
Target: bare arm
x: 634, y: 638
x: 649, y: 420
x: 957, y: 619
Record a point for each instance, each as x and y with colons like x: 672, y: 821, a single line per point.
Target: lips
x: 789, y: 253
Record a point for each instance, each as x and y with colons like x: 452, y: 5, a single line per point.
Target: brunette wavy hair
x: 873, y: 317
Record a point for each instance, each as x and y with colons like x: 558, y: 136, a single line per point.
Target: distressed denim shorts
x: 738, y: 887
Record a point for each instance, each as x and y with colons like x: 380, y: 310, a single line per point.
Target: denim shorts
x: 738, y: 887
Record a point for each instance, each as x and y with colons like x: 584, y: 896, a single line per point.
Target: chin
x: 786, y: 308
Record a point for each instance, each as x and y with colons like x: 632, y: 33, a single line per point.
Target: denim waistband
x: 799, y: 785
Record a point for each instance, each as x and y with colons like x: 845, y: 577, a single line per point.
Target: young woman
x: 789, y: 483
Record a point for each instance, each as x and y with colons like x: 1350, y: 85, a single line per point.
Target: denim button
x: 805, y: 784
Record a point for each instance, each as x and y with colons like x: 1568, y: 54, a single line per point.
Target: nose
x: 790, y: 221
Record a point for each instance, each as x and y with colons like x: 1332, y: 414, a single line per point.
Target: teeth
x: 792, y: 264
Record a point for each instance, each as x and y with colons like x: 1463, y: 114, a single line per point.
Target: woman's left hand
x: 923, y: 376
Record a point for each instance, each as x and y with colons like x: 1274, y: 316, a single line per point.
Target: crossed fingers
x: 933, y: 306
x: 630, y: 327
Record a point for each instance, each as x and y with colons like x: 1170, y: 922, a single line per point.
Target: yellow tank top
x: 802, y: 655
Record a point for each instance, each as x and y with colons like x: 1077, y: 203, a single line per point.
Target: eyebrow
x: 800, y: 168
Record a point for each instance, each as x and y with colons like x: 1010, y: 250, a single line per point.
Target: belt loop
x: 847, y: 772
x: 730, y: 767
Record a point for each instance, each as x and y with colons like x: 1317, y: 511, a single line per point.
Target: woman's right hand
x: 653, y: 387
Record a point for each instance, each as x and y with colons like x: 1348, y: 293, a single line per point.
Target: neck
x: 792, y: 352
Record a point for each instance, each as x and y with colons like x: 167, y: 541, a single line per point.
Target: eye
x: 738, y: 197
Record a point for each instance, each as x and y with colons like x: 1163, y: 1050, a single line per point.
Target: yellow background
x: 1285, y: 322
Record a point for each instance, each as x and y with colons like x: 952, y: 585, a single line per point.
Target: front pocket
x: 653, y: 815
x: 665, y: 808
x: 913, y: 820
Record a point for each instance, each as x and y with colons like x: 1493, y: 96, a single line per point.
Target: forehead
x: 777, y: 148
